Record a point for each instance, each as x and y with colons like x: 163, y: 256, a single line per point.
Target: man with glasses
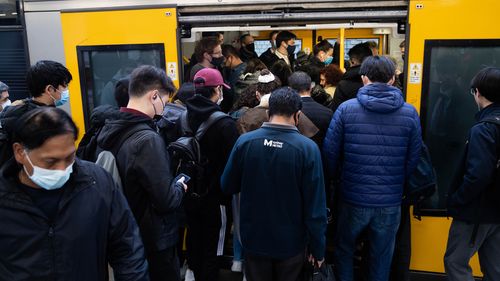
x: 144, y: 167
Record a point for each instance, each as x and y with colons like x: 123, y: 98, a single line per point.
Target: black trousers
x: 164, y: 265
x: 268, y: 269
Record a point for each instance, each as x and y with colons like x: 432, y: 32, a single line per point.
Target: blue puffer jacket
x: 376, y: 139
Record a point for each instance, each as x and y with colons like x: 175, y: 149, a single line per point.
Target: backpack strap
x: 214, y: 117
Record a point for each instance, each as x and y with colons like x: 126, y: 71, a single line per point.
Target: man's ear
x: 18, y: 152
x: 365, y: 80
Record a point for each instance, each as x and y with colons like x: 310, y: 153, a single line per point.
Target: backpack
x: 422, y: 182
x: 185, y: 154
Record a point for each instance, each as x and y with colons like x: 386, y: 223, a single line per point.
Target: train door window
x: 101, y: 67
x: 9, y: 12
x: 262, y: 45
x: 448, y: 110
x: 332, y: 41
x: 349, y: 43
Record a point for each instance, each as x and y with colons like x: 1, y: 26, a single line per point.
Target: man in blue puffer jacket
x: 375, y: 140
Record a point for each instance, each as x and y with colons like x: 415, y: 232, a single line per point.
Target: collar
x: 279, y: 126
x: 492, y: 109
x: 134, y: 112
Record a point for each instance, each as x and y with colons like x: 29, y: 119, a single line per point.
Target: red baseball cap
x: 211, y: 78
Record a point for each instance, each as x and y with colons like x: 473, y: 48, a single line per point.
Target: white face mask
x: 48, y: 179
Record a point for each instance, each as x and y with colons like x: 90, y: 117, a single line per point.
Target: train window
x: 332, y: 41
x: 101, y: 67
x: 262, y: 45
x: 448, y: 110
x: 9, y: 12
x: 349, y: 43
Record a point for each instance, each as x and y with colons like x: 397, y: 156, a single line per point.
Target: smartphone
x: 186, y: 177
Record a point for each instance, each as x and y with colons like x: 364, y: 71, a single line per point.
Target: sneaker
x: 237, y: 266
x: 189, y: 275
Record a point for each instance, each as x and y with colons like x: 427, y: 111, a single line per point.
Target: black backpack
x: 186, y: 156
x: 422, y: 182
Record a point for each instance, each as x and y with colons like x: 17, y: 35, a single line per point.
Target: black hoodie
x: 215, y: 145
x: 348, y: 87
x: 148, y: 185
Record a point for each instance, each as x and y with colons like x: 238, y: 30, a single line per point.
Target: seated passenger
x: 143, y: 163
x: 376, y: 140
x: 280, y: 177
x: 62, y: 218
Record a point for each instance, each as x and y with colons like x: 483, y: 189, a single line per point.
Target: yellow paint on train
x: 143, y: 26
x: 444, y: 19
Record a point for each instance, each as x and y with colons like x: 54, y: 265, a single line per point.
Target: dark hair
x: 360, y: 52
x: 300, y: 81
x: 402, y: 44
x: 284, y: 101
x: 40, y: 124
x: 146, y: 78
x: 372, y: 44
x: 324, y: 46
x: 267, y: 88
x: 44, y: 73
x: 242, y: 37
x: 206, y: 91
x: 333, y: 74
x: 229, y: 50
x: 186, y: 91
x: 205, y: 34
x: 254, y: 65
x: 247, y: 98
x: 487, y: 81
x: 121, y: 92
x: 272, y: 34
x: 378, y: 69
x: 205, y: 45
x: 284, y: 36
x: 282, y: 70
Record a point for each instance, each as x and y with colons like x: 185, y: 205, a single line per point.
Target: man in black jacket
x: 474, y: 199
x: 322, y: 56
x: 144, y: 167
x: 351, y: 81
x: 285, y: 49
x: 62, y: 218
x: 268, y: 56
x: 207, y: 221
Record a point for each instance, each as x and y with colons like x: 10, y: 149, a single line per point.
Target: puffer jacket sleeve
x: 414, y: 146
x: 333, y: 143
x: 125, y: 248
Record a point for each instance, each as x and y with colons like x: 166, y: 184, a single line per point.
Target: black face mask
x: 290, y: 49
x: 217, y: 61
x: 251, y: 47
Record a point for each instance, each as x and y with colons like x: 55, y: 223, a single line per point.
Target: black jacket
x: 319, y: 115
x: 313, y: 67
x: 268, y: 58
x: 474, y: 196
x: 148, y: 185
x: 93, y: 226
x: 348, y: 87
x: 215, y: 145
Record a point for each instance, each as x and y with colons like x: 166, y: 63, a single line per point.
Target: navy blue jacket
x: 280, y: 176
x: 376, y: 140
x: 475, y: 195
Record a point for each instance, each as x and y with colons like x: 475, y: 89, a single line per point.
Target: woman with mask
x: 62, y: 218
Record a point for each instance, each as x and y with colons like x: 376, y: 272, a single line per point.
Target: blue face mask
x: 328, y: 60
x: 48, y: 179
x: 64, y: 98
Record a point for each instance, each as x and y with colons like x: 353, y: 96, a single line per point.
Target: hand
x: 181, y: 181
x: 315, y: 262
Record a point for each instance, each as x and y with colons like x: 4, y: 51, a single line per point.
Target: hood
x: 380, y: 97
x: 113, y: 130
x: 199, y: 109
x: 103, y: 112
x: 352, y: 74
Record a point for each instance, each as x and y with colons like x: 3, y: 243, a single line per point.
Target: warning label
x: 415, y: 73
x: 172, y: 70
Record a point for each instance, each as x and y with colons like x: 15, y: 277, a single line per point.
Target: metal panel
x: 13, y: 63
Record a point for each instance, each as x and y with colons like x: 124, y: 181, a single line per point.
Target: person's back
x: 280, y: 177
x: 144, y: 168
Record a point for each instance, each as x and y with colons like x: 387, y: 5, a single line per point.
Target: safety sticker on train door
x: 172, y: 70
x: 415, y: 73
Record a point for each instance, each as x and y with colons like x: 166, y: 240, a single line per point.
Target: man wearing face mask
x: 285, y: 44
x: 208, y: 52
x: 321, y: 57
x: 247, y: 50
x: 48, y: 85
x: 207, y: 222
x: 144, y: 167
x: 4, y: 96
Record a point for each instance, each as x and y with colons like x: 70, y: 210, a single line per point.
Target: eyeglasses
x: 473, y: 91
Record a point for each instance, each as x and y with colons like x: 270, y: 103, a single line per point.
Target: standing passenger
x: 376, y: 139
x: 62, y: 218
x: 208, y: 52
x: 247, y: 50
x: 268, y: 56
x: 144, y: 167
x: 474, y: 200
x: 280, y: 177
x: 285, y: 49
x: 4, y: 96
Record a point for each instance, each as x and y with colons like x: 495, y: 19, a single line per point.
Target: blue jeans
x: 382, y: 225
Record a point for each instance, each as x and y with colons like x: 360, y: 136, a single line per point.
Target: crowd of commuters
x: 293, y: 137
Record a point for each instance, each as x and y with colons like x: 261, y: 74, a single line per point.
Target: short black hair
x: 146, y: 78
x: 229, y: 50
x: 121, y: 92
x: 205, y: 45
x: 281, y: 70
x: 360, y: 52
x: 44, y: 73
x: 242, y: 37
x: 284, y: 101
x: 38, y: 125
x: 324, y: 46
x: 487, y: 81
x: 300, y: 81
x: 284, y: 36
x: 378, y: 69
x: 272, y: 34
x: 186, y: 91
x: 254, y: 65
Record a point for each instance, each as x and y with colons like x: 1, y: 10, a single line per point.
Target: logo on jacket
x: 271, y: 143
